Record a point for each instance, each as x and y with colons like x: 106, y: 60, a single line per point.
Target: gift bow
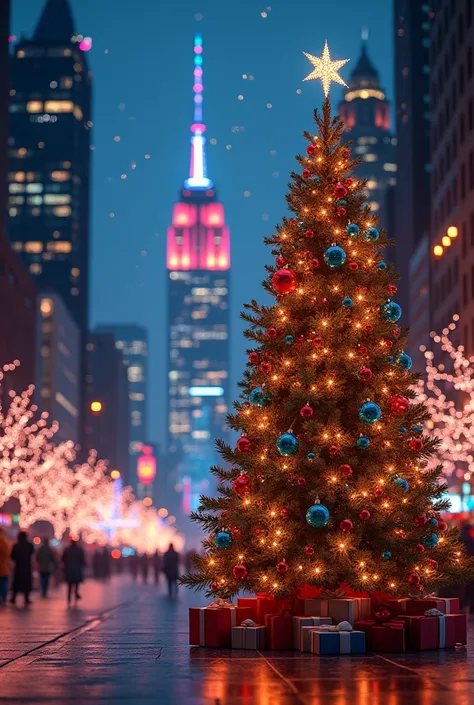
x: 249, y: 623
x: 220, y: 604
x: 333, y: 594
x: 433, y: 613
x: 341, y: 627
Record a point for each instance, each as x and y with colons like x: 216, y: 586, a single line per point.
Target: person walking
x: 47, y: 565
x: 170, y: 569
x: 145, y: 565
x: 21, y: 555
x: 5, y: 550
x: 156, y: 567
x: 74, y: 561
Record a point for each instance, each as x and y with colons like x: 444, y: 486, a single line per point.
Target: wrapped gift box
x: 339, y: 609
x: 279, y: 630
x: 449, y: 605
x: 302, y: 639
x: 383, y: 637
x: 212, y: 626
x: 249, y: 637
x: 326, y: 643
x: 397, y: 606
x: 435, y: 631
x: 263, y: 605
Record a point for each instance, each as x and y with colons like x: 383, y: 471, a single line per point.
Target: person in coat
x: 47, y: 564
x: 5, y: 550
x: 170, y: 569
x: 21, y: 555
x: 74, y: 561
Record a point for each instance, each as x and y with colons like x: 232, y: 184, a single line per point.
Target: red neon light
x: 198, y: 237
x: 146, y: 467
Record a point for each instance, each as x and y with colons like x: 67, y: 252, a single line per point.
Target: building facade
x: 365, y: 112
x: 198, y: 262
x: 107, y: 423
x: 412, y: 26
x: 132, y: 342
x: 59, y: 365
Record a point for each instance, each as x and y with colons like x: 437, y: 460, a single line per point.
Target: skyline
x: 128, y: 286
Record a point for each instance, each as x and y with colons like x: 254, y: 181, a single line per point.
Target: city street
x: 128, y: 644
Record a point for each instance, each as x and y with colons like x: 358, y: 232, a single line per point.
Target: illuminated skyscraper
x: 198, y: 260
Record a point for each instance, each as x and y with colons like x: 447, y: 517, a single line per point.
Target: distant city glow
x: 206, y: 391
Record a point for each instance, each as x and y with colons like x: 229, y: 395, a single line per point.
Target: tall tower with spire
x: 198, y: 263
x: 365, y: 112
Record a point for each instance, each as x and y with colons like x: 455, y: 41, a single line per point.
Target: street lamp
x: 96, y: 407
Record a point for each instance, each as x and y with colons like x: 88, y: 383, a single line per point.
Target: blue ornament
x: 390, y: 359
x: 402, y: 429
x: 223, y: 539
x: 317, y: 179
x: 401, y: 482
x: 370, y: 412
x: 382, y: 265
x: 371, y: 235
x: 347, y: 302
x: 363, y: 442
x: 259, y: 397
x: 341, y: 202
x: 404, y: 361
x: 391, y: 311
x: 311, y: 456
x: 434, y: 522
x: 386, y: 555
x: 334, y: 257
x: 287, y: 444
x: 289, y: 339
x: 318, y: 516
x: 430, y: 541
x: 352, y: 230
x: 417, y: 429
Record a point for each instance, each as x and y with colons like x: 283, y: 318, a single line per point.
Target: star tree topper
x: 325, y: 69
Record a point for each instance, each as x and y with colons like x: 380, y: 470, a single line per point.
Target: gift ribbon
x: 202, y: 618
x: 341, y: 627
x: 249, y: 623
x: 219, y: 604
x: 344, y: 642
x: 442, y: 625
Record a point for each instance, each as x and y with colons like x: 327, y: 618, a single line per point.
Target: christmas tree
x: 329, y: 483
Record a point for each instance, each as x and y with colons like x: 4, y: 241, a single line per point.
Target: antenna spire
x: 198, y: 167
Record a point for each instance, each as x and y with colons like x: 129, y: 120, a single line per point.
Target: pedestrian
x: 156, y: 566
x: 74, y: 561
x: 145, y: 565
x: 5, y: 550
x: 21, y: 555
x: 170, y: 569
x: 47, y: 564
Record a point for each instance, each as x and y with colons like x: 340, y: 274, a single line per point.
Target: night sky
x: 142, y: 64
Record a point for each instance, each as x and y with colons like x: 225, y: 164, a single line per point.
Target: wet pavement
x: 127, y: 644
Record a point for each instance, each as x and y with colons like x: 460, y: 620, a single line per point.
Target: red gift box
x: 280, y: 630
x: 212, y: 626
x: 385, y: 637
x: 435, y: 632
x: 397, y: 606
x: 448, y: 605
x: 265, y: 604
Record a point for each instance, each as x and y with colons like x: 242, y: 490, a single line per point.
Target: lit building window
x: 20, y: 54
x: 12, y: 212
x: 36, y: 211
x: 389, y: 166
x: 53, y: 84
x: 135, y: 373
x: 62, y: 246
x: 136, y: 418
x: 200, y: 435
x: 371, y: 185
x: 370, y: 157
x: 136, y: 396
x: 17, y: 176
x: 41, y: 145
x: 36, y: 268
x: 16, y: 188
x: 34, y: 200
x: 34, y: 188
x: 17, y: 246
x: 67, y: 165
x: 374, y: 206
x: 22, y: 152
x: 16, y: 200
x: 34, y: 106
x: 360, y: 149
x: 58, y: 106
x: 74, y: 291
x: 366, y: 140
x: 32, y: 176
x: 75, y: 272
x: 77, y: 67
x: 77, y: 112
x: 60, y: 175
x: 53, y: 199
x: 62, y: 211
x: 34, y: 246
x: 16, y: 107
x: 46, y: 307
x: 66, y: 82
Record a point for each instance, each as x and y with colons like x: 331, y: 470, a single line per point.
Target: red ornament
x: 272, y: 332
x: 348, y: 181
x: 314, y: 263
x: 433, y: 564
x: 310, y: 149
x: 345, y: 153
x: 265, y: 367
x: 392, y: 289
x: 345, y: 470
x: 239, y: 572
x: 398, y: 404
x: 334, y: 449
x: 279, y: 298
x: 309, y: 233
x: 346, y: 525
x: 306, y: 173
x: 292, y: 222
x: 284, y: 513
x: 214, y: 587
x: 284, y: 281
x: 363, y: 349
x: 241, y: 485
x: 420, y: 588
x: 341, y: 212
x: 382, y: 613
x: 368, y: 328
x: 416, y: 444
x: 301, y: 481
x: 388, y: 343
x: 421, y: 520
x: 282, y: 567
x: 254, y: 357
x: 419, y: 548
x: 364, y: 514
x: 280, y: 261
x: 414, y: 579
x: 442, y: 526
x: 317, y: 341
x: 378, y: 492
x: 306, y: 411
x: 366, y: 374
x: 244, y: 444
x: 340, y: 191
x: 353, y: 266
x: 309, y: 550
x: 396, y: 332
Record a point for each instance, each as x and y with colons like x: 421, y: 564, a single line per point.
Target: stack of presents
x: 330, y: 625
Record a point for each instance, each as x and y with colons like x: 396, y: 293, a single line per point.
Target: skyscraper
x: 198, y: 261
x: 132, y: 341
x: 365, y: 112
x: 49, y: 155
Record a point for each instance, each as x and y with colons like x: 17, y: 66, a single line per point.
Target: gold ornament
x: 325, y: 69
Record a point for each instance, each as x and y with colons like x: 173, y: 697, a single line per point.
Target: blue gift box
x: 302, y: 639
x: 325, y: 643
